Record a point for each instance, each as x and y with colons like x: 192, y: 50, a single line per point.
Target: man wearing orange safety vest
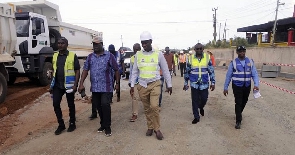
x: 182, y: 62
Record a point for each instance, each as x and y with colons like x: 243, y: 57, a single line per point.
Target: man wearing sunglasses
x: 66, y: 75
x: 199, y: 70
x: 241, y: 70
x: 146, y: 68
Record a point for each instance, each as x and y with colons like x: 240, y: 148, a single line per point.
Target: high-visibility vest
x: 132, y: 59
x: 175, y: 59
x: 182, y: 58
x: 68, y: 69
x: 242, y: 75
x: 199, y: 70
x: 147, y: 64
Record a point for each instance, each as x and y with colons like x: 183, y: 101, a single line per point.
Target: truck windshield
x: 22, y: 27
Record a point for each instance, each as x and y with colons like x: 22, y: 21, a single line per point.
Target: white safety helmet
x: 145, y: 36
x: 181, y: 52
x: 190, y: 52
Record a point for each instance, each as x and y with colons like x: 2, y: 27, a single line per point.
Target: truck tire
x: 11, y: 80
x: 3, y: 88
x: 43, y: 78
x: 54, y: 35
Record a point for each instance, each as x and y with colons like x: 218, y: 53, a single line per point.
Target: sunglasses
x: 198, y: 48
x: 242, y: 51
x: 61, y: 43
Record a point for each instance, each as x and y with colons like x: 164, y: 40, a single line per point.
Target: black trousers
x: 241, y: 98
x: 182, y: 68
x: 57, y: 97
x: 199, y: 100
x: 102, y: 100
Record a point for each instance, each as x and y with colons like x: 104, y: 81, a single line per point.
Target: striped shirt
x: 101, y: 71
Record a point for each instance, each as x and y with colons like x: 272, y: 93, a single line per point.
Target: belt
x: 152, y: 82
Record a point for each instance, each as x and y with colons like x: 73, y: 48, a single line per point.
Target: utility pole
x: 219, y: 30
x: 122, y: 40
x: 275, y: 23
x: 214, y: 23
x: 225, y: 29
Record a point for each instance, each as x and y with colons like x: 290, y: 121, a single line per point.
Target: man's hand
x: 212, y: 87
x: 50, y: 90
x: 129, y: 84
x: 74, y: 88
x: 131, y: 91
x: 255, y: 88
x: 185, y: 87
x: 81, y: 88
x: 169, y: 90
x: 117, y: 88
x: 225, y: 92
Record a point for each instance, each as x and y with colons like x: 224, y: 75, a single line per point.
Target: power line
x: 139, y: 23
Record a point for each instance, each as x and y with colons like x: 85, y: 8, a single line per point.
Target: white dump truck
x: 38, y: 26
x: 7, y: 44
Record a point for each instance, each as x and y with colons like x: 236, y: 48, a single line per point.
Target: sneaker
x: 108, y: 132
x: 93, y: 116
x: 195, y: 121
x: 101, y: 129
x: 72, y: 127
x: 133, y: 118
x: 59, y: 130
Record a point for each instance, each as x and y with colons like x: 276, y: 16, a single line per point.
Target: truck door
x: 39, y: 36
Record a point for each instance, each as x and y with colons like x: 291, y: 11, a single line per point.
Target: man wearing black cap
x: 66, y: 75
x: 241, y: 70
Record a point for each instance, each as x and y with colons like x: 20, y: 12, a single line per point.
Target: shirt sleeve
x: 255, y: 76
x: 135, y: 72
x: 211, y: 72
x: 228, y: 77
x: 76, y: 63
x: 131, y: 67
x: 165, y: 70
x: 113, y: 63
x: 87, y: 63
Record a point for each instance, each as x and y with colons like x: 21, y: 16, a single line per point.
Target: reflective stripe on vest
x: 68, y: 68
x: 242, y: 74
x: 147, y: 64
x: 199, y: 70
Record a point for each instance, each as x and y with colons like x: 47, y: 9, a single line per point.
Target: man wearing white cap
x: 182, y: 63
x: 147, y: 67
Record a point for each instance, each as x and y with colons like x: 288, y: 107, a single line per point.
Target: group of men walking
x: 149, y: 68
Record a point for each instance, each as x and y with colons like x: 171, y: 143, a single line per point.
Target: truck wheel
x: 54, y: 35
x: 44, y: 80
x: 3, y: 88
x: 11, y: 80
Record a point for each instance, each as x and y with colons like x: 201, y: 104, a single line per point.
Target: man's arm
x: 228, y: 76
x: 173, y: 62
x: 86, y: 68
x: 135, y: 72
x: 122, y: 64
x: 255, y: 76
x: 186, y: 73
x: 130, y: 72
x: 165, y: 70
x: 77, y: 70
x: 211, y: 72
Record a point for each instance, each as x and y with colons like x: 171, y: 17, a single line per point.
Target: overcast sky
x: 174, y: 23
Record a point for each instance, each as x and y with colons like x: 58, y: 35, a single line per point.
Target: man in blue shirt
x: 120, y: 61
x: 241, y: 70
x: 199, y: 69
x: 101, y: 65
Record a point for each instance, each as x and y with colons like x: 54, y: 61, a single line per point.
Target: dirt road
x: 267, y: 127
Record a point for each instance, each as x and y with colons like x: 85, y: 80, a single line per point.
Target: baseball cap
x: 241, y: 48
x: 97, y: 40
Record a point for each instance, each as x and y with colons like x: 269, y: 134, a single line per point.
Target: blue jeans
x: 160, y: 98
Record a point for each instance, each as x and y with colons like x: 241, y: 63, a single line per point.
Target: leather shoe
x: 92, y: 117
x: 202, y: 111
x: 159, y: 135
x: 238, y: 125
x: 149, y: 132
x: 195, y: 121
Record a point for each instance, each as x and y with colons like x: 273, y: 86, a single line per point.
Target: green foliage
x: 237, y: 41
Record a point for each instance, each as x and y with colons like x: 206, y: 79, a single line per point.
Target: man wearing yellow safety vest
x: 135, y: 99
x: 66, y: 75
x: 147, y: 67
x: 175, y: 57
x: 182, y: 62
x: 198, y: 71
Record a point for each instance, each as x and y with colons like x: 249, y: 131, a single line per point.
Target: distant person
x: 135, y: 97
x: 146, y: 68
x: 212, y: 58
x: 170, y: 62
x: 182, y: 62
x: 241, y: 70
x: 175, y: 57
x: 66, y: 75
x: 199, y: 72
x: 101, y: 65
x: 120, y: 61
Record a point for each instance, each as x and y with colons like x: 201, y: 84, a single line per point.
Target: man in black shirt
x: 66, y: 75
